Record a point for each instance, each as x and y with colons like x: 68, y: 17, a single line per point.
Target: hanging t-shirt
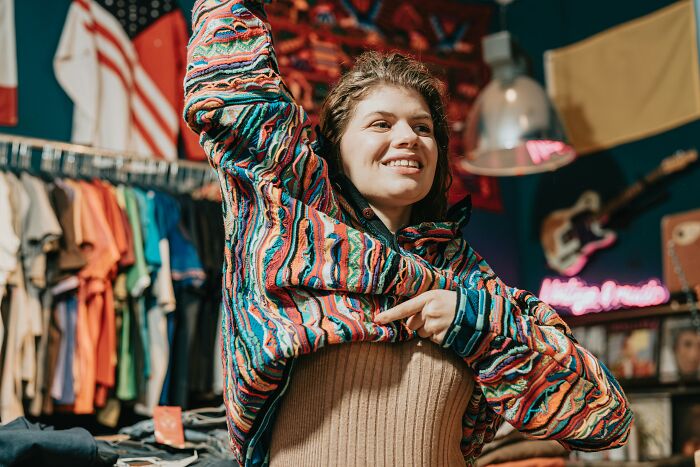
x: 137, y: 277
x: 149, y: 229
x: 9, y: 243
x: 127, y: 258
x: 69, y: 259
x: 95, y: 320
x: 166, y: 212
x: 15, y: 327
x: 138, y: 280
x: 165, y: 216
x: 42, y: 230
x: 40, y: 236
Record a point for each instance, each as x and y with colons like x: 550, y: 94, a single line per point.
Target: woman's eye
x: 424, y: 129
x: 381, y: 124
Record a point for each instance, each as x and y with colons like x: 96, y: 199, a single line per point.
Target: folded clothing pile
x: 23, y: 443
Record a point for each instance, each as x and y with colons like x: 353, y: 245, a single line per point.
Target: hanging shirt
x: 165, y: 215
x: 69, y: 259
x: 166, y: 212
x: 138, y: 278
x: 40, y: 236
x: 16, y: 328
x: 149, y: 228
x: 42, y: 230
x: 124, y: 76
x: 9, y: 243
x: 63, y: 387
x: 95, y: 326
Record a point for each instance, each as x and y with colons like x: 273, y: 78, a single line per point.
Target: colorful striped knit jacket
x: 307, y: 265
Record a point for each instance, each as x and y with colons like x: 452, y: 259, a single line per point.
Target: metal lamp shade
x: 514, y: 130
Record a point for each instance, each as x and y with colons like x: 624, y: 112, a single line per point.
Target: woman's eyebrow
x: 384, y: 113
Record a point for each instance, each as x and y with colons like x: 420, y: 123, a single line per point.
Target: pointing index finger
x: 403, y: 310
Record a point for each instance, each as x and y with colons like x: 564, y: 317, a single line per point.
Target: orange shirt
x: 95, y: 320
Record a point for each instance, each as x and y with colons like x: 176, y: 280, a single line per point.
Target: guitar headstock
x: 678, y: 161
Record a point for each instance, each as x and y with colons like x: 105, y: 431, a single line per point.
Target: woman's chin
x: 403, y: 197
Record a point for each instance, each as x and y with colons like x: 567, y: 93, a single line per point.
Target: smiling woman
x: 392, y: 107
x: 389, y: 152
x: 359, y: 327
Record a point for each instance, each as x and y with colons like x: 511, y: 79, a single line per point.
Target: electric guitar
x: 570, y: 236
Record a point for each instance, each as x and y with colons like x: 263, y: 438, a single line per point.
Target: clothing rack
x: 55, y: 158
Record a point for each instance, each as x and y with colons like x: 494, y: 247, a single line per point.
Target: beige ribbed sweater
x: 373, y: 404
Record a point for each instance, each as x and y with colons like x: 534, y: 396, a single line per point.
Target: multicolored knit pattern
x: 301, y: 272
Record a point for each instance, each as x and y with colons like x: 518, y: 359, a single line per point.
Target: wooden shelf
x: 671, y: 389
x: 668, y: 309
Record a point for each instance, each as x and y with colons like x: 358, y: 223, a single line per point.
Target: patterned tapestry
x: 316, y: 41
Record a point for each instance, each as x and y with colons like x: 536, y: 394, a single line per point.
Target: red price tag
x: 168, y: 426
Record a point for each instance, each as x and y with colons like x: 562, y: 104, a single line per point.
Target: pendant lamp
x: 512, y: 129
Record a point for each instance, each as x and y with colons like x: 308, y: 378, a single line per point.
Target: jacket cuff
x: 471, y: 322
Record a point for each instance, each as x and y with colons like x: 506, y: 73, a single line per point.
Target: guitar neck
x: 631, y: 192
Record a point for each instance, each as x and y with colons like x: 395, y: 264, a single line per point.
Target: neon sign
x: 542, y: 150
x: 581, y: 298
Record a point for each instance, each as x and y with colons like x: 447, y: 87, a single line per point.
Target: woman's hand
x: 430, y: 313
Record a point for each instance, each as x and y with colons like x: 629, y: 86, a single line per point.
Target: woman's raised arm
x: 236, y: 101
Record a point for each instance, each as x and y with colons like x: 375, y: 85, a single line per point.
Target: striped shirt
x: 308, y: 265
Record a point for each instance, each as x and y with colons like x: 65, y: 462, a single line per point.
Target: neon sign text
x: 581, y: 298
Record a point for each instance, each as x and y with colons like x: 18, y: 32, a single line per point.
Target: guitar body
x: 570, y: 236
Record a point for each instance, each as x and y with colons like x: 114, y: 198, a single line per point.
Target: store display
x: 686, y: 425
x: 653, y: 425
x: 570, y: 236
x: 632, y: 349
x: 680, y: 351
x: 593, y: 338
x: 680, y: 235
x: 106, y: 291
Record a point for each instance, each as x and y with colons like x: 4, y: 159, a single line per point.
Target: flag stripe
x: 8, y: 64
x: 8, y: 105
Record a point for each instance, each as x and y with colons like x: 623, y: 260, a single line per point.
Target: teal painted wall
x: 508, y: 240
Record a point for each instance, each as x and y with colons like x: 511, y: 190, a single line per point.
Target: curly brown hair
x: 372, y: 69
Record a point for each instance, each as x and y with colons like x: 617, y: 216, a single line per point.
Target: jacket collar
x: 457, y: 218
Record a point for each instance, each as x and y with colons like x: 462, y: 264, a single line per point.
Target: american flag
x: 122, y: 62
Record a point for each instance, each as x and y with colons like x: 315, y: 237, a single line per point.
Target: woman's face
x: 388, y: 149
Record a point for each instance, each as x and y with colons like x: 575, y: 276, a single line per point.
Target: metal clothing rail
x: 57, y: 158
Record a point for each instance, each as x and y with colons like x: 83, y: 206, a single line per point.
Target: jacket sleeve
x: 530, y: 368
x: 237, y: 102
x: 251, y: 128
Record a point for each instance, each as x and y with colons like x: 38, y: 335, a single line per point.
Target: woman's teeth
x: 403, y: 163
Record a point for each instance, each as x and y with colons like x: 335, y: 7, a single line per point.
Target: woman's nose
x: 404, y: 135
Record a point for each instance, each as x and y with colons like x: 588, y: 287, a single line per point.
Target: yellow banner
x: 630, y: 82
